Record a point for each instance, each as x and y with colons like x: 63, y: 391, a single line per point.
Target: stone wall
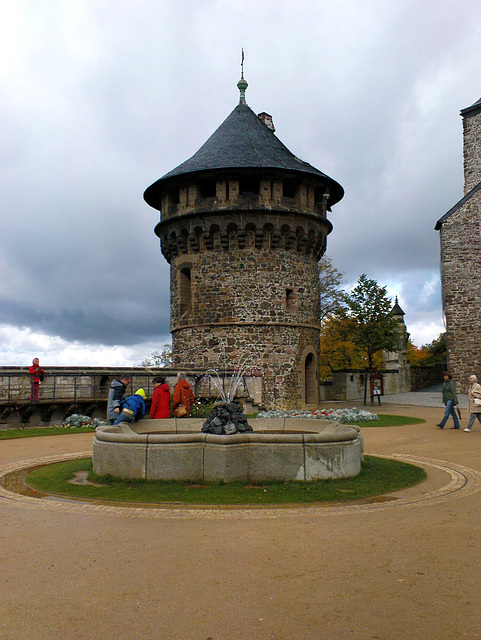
x: 348, y: 384
x: 278, y: 353
x: 427, y: 376
x: 460, y: 269
x: 472, y: 149
x: 248, y: 296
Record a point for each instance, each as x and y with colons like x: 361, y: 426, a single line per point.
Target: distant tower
x: 243, y: 225
x: 397, y: 360
x: 460, y: 236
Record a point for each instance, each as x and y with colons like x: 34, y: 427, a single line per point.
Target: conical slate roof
x: 242, y: 141
x: 396, y: 310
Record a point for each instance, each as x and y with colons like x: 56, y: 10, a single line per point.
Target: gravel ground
x: 430, y: 397
x: 401, y: 566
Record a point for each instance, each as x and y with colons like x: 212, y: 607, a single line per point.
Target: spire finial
x: 242, y: 84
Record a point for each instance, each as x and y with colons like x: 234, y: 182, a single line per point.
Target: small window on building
x: 185, y: 292
x: 207, y: 189
x: 248, y: 186
x: 290, y: 299
x: 289, y: 188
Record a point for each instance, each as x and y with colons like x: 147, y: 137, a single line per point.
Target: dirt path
x: 393, y: 570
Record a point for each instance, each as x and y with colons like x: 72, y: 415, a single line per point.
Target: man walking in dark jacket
x: 117, y: 394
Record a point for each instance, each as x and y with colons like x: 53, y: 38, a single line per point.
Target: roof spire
x: 242, y: 84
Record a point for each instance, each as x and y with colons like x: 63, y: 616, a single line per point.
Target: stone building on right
x: 460, y: 237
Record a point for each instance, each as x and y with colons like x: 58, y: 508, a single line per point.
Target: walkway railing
x: 71, y: 386
x: 15, y: 388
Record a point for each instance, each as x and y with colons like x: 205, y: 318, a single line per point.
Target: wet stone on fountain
x: 226, y: 418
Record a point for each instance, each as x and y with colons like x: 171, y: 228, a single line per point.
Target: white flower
x: 338, y: 415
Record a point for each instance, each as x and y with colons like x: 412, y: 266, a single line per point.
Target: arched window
x: 291, y: 299
x: 310, y: 379
x: 185, y: 290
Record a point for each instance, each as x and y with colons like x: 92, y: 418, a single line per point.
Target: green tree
x: 337, y: 350
x: 331, y: 295
x: 434, y: 352
x: 437, y: 351
x: 416, y: 355
x: 159, y: 358
x: 372, y: 328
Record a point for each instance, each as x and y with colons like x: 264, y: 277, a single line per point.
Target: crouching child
x: 133, y: 408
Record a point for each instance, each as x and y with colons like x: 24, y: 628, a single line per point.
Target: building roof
x: 457, y: 206
x: 472, y: 110
x: 242, y: 141
x: 396, y: 310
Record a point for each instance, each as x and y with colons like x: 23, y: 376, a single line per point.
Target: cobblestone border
x: 463, y: 482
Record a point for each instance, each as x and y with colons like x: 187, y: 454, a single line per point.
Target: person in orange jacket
x: 183, y: 395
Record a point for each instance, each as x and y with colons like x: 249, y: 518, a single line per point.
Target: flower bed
x: 345, y: 416
x: 77, y: 420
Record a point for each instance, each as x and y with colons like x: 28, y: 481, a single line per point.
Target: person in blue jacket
x: 133, y: 408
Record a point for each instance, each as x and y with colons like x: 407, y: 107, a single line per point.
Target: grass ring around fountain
x: 378, y: 478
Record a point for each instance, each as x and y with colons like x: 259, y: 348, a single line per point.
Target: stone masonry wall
x: 427, y: 375
x: 472, y: 151
x: 249, y: 306
x: 276, y: 352
x: 247, y: 286
x: 461, y: 266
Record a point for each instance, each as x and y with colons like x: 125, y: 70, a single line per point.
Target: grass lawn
x: 27, y: 432
x: 390, y: 421
x: 378, y: 476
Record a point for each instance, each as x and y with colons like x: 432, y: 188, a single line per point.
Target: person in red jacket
x: 183, y: 394
x: 36, y: 376
x: 160, y: 399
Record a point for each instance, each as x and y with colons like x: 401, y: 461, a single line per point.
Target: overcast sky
x: 100, y: 98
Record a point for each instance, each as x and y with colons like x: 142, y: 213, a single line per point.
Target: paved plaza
x: 399, y: 566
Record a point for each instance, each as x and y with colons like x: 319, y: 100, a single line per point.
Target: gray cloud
x: 98, y: 100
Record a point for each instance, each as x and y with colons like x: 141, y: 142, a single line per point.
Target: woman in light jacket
x: 474, y: 410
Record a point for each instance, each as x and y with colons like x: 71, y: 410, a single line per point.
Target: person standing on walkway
x: 160, y: 407
x: 450, y: 400
x: 36, y: 377
x: 183, y: 397
x: 117, y: 393
x: 474, y: 402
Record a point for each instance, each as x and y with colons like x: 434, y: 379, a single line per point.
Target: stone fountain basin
x: 278, y: 449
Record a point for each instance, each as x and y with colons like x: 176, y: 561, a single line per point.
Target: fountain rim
x: 314, y: 431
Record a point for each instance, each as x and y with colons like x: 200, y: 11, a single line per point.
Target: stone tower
x: 243, y: 224
x: 460, y: 236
